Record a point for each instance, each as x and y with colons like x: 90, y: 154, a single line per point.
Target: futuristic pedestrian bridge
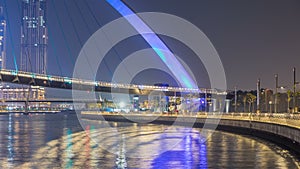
x: 28, y: 78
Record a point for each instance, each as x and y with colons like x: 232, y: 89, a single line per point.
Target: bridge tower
x: 2, y: 39
x: 34, y: 36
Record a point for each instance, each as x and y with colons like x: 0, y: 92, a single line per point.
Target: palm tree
x: 251, y: 98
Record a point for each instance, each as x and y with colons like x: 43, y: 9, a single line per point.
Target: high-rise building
x: 34, y: 36
x: 2, y: 39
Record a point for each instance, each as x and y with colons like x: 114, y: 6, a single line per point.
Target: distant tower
x: 34, y: 36
x: 2, y: 39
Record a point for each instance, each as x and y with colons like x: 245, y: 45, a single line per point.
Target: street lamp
x: 294, y: 86
x: 258, y: 97
x: 276, y: 92
x: 235, y: 99
x: 281, y: 89
x: 270, y: 103
x: 295, y: 97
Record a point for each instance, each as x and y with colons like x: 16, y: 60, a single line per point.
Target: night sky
x: 255, y: 39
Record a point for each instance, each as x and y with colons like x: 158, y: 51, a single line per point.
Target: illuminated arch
x: 156, y: 43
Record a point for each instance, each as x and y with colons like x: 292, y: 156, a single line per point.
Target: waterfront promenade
x: 291, y: 120
x: 282, y: 129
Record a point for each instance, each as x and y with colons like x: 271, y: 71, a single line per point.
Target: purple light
x: 156, y: 43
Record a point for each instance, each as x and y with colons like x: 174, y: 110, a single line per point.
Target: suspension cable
x: 76, y: 32
x: 99, y: 23
x: 10, y: 37
x: 54, y: 49
x: 63, y: 33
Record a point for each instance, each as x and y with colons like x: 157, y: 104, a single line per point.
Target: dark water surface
x: 58, y: 141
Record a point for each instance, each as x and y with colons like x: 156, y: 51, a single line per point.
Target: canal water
x: 59, y: 141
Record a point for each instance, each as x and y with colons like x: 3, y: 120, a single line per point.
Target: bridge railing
x: 104, y: 84
x: 291, y: 120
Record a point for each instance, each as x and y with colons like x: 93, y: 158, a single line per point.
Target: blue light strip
x: 156, y: 43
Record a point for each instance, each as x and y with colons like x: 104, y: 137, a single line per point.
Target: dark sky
x: 255, y: 39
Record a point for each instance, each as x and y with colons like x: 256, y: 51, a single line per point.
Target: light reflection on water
x: 57, y: 141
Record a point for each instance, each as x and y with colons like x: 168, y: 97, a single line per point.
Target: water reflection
x: 87, y: 148
x: 191, y: 153
x: 121, y: 155
x: 10, y: 146
x: 53, y: 141
x: 69, y: 150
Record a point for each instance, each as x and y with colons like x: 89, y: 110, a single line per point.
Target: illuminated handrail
x: 104, y: 84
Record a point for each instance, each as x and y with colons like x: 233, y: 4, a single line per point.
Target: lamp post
x: 270, y: 103
x: 206, y: 110
x: 257, y: 97
x: 294, y: 87
x: 235, y: 99
x: 281, y: 89
x: 276, y: 93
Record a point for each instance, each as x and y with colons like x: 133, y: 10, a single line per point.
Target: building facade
x: 34, y: 36
x: 31, y: 93
x: 8, y: 95
x: 2, y: 39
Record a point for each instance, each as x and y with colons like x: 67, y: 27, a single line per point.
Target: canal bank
x: 283, y: 135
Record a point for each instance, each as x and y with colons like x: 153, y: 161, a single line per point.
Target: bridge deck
x: 29, y: 78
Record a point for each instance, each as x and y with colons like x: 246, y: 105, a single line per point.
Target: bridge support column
x: 26, y: 106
